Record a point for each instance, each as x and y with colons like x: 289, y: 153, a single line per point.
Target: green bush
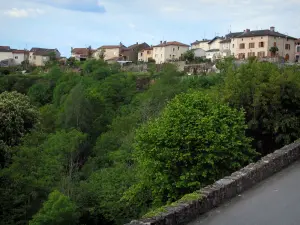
x: 194, y: 142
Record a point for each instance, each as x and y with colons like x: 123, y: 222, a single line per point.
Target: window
x: 30, y: 57
x: 251, y: 38
x: 261, y: 37
x: 16, y: 57
x: 251, y: 54
x: 148, y: 52
x: 274, y: 44
x: 232, y: 45
x: 261, y: 54
x: 251, y: 45
x: 298, y: 49
x: 242, y: 46
x: 141, y: 54
x: 287, y: 46
x: 178, y: 47
x: 173, y: 49
x: 34, y: 57
x: 261, y: 44
x: 242, y: 39
x: 161, y: 55
x: 170, y: 56
x: 155, y: 55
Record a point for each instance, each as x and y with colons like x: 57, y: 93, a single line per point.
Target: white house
x: 203, y: 44
x: 168, y: 51
x: 213, y: 54
x: 215, y: 43
x: 13, y: 56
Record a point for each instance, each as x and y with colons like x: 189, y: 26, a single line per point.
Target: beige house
x: 39, y: 56
x: 258, y: 43
x: 169, y: 51
x: 297, y: 50
x: 145, y: 54
x: 201, y: 44
x: 109, y: 52
x: 215, y: 43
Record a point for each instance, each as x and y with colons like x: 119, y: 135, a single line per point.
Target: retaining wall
x: 226, y: 188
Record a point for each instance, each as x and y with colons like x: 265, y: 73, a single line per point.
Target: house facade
x: 215, y: 43
x: 201, y: 44
x: 199, y: 52
x: 109, y: 52
x: 145, y: 54
x: 258, y: 43
x: 213, y: 54
x: 40, y: 56
x: 131, y: 53
x: 168, y: 51
x: 297, y: 50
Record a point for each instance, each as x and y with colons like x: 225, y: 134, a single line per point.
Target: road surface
x: 275, y: 201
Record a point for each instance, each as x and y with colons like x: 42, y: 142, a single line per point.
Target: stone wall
x: 226, y: 188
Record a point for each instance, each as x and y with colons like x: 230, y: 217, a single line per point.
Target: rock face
x: 226, y: 188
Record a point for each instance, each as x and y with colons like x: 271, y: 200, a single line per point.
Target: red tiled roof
x: 176, y: 43
x: 81, y: 51
x: 4, y: 47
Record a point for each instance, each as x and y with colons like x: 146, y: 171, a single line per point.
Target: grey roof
x: 198, y: 42
x: 233, y: 35
x: 226, y: 41
x: 42, y: 51
x: 215, y: 38
x: 255, y: 33
x: 213, y: 50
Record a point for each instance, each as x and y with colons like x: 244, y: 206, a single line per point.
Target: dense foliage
x: 87, y: 143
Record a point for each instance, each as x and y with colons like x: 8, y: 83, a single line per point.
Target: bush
x: 194, y: 142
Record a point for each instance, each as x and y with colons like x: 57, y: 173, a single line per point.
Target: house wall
x: 110, y: 53
x: 297, y: 51
x: 280, y: 43
x: 225, y: 49
x: 19, y: 57
x: 203, y: 45
x: 199, y: 52
x: 159, y: 54
x: 237, y: 51
x: 215, y: 44
x: 38, y: 60
x: 5, y: 55
x: 143, y: 56
x: 268, y: 43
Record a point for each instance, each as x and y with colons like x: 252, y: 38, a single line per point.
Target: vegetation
x: 86, y: 143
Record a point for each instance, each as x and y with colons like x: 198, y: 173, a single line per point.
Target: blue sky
x: 64, y: 24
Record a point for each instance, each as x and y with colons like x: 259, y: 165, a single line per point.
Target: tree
x: 194, y: 142
x: 57, y: 210
x: 41, y: 93
x: 189, y: 55
x: 17, y: 117
x: 270, y: 99
x: 273, y: 50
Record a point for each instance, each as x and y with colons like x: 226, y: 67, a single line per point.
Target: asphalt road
x: 275, y: 201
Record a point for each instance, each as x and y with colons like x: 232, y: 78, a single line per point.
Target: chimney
x: 272, y: 29
x: 137, y: 43
x: 247, y: 31
x: 121, y: 44
x: 165, y: 42
x: 161, y: 42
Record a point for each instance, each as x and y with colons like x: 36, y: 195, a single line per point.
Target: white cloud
x: 21, y: 13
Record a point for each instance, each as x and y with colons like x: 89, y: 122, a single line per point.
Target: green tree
x: 194, y: 142
x: 189, y: 55
x: 17, y: 117
x: 273, y: 50
x: 57, y: 210
x: 41, y: 93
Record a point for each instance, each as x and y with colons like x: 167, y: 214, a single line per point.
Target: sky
x: 63, y: 24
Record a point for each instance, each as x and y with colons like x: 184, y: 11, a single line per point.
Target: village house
x: 145, y: 54
x: 201, y: 44
x: 82, y: 54
x: 131, y: 53
x: 297, y: 50
x: 169, y: 51
x: 39, y: 56
x: 259, y: 42
x: 12, y: 57
x: 110, y: 52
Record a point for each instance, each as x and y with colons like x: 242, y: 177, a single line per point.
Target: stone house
x: 39, y: 56
x: 13, y: 56
x: 258, y: 43
x: 145, y: 54
x: 81, y: 54
x: 131, y: 53
x: 169, y: 51
x: 109, y: 52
